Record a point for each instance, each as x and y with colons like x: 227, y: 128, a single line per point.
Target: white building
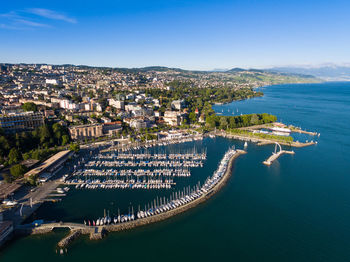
x: 67, y: 104
x: 116, y: 104
x: 132, y: 107
x: 172, y: 118
x: 51, y: 81
x: 178, y: 104
x: 105, y: 120
x: 138, y: 123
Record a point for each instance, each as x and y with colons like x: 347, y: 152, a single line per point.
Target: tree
x: 254, y: 119
x: 14, y: 156
x: 17, y: 171
x: 74, y: 147
x: 7, y: 177
x: 26, y: 156
x: 30, y: 107
x: 223, y: 123
x: 192, y: 116
x: 65, y: 140
x: 45, y: 134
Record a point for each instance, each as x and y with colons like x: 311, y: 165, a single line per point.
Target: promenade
x: 262, y: 141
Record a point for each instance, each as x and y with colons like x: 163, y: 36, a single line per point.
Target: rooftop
x: 42, y: 167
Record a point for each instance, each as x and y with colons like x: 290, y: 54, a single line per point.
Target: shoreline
x: 263, y: 141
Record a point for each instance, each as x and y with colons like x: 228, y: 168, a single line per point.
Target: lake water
x: 298, y: 209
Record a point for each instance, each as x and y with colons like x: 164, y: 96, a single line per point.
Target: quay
x: 213, y: 186
x: 263, y: 141
x: 275, y: 155
x: 153, y: 143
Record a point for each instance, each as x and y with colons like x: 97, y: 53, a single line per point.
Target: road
x: 24, y: 208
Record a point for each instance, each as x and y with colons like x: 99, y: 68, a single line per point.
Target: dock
x: 275, y: 156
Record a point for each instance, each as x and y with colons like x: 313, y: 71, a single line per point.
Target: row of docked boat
x: 151, y: 163
x: 176, y: 200
x: 121, y: 184
x: 148, y: 156
x: 176, y: 172
x: 159, y: 142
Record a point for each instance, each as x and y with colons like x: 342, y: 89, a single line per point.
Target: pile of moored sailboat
x: 176, y: 200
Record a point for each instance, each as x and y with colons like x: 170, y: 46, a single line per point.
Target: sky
x: 201, y: 35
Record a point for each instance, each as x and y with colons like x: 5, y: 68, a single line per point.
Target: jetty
x: 275, y: 155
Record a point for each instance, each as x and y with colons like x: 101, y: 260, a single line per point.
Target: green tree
x: 45, y: 134
x: 254, y: 120
x: 192, y: 116
x: 65, y: 140
x: 26, y: 156
x: 74, y: 147
x: 7, y: 177
x: 30, y: 107
x: 17, y: 171
x: 14, y: 156
x: 223, y: 123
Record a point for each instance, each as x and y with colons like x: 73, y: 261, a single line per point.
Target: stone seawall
x: 74, y: 234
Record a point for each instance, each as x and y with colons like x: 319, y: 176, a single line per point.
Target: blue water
x: 298, y: 209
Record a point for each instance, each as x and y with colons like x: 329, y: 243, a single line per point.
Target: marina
x: 175, y: 200
x: 157, y: 210
x: 134, y: 170
x: 169, y: 140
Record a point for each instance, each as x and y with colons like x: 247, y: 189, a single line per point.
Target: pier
x: 275, y: 155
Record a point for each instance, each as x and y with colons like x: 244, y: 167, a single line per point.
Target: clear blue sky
x: 186, y: 34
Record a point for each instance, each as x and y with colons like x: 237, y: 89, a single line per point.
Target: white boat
x: 60, y: 190
x: 280, y: 133
x: 280, y: 129
x: 10, y: 203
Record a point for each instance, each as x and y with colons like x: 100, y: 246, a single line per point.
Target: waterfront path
x: 261, y: 141
x: 274, y: 156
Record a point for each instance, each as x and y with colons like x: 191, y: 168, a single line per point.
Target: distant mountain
x: 328, y: 72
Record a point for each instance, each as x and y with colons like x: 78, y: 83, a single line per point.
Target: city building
x: 15, y: 122
x: 112, y: 128
x: 178, y: 104
x: 52, y: 81
x: 105, y: 120
x: 172, y: 118
x: 138, y: 123
x: 118, y: 104
x: 86, y: 131
x: 50, y: 167
x: 120, y: 97
x: 67, y: 104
